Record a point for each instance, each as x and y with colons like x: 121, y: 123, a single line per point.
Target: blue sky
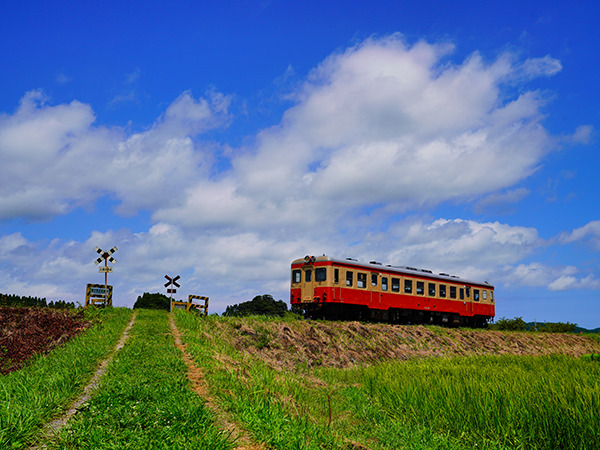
x: 221, y: 141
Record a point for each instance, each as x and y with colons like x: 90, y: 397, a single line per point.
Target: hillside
x: 258, y: 383
x: 287, y: 344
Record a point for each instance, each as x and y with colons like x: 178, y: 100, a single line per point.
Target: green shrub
x: 516, y: 324
x: 262, y: 305
x: 153, y: 301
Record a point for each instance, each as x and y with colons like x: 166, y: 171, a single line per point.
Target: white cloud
x: 589, y: 232
x: 554, y: 278
x: 381, y: 128
x: 382, y: 123
x: 55, y: 158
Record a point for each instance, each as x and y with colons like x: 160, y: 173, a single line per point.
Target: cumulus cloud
x: 55, y: 158
x: 589, y: 233
x: 384, y: 123
x: 554, y: 278
x: 380, y: 129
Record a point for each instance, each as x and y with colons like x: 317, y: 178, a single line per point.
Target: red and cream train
x: 331, y: 288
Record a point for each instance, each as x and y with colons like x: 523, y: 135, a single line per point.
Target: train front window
x: 296, y: 276
x: 462, y: 293
x: 443, y: 290
x: 395, y: 284
x: 484, y: 294
x: 361, y: 280
x: 476, y: 294
x: 373, y: 279
x: 384, y: 283
x: 349, y: 277
x: 308, y: 276
x: 408, y: 286
x: 468, y: 292
x: 336, y: 276
x: 452, y: 291
x: 420, y: 287
x: 321, y: 274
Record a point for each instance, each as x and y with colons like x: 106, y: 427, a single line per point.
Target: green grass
x: 467, y: 402
x: 289, y: 410
x: 144, y: 400
x: 49, y: 383
x: 507, y: 401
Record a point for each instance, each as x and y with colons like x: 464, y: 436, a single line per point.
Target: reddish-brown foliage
x: 25, y: 332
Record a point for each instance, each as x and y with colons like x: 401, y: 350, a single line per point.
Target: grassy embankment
x: 49, y: 383
x: 144, y: 399
x: 462, y: 402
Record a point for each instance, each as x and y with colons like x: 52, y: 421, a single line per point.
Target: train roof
x: 404, y: 270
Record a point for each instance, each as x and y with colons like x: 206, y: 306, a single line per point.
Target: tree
x: 516, y: 324
x: 555, y: 327
x: 152, y: 301
x: 263, y: 305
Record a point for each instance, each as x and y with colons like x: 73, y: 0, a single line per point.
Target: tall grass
x: 516, y: 402
x: 46, y: 386
x: 469, y: 402
x: 144, y: 399
x: 284, y: 409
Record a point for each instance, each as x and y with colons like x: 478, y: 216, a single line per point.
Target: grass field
x: 146, y: 400
x: 460, y: 402
x: 48, y: 384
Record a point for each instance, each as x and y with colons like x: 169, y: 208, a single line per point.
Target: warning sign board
x: 96, y: 294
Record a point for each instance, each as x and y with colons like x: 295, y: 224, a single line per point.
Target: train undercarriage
x: 392, y: 315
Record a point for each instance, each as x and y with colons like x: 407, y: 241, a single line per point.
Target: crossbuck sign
x: 106, y: 256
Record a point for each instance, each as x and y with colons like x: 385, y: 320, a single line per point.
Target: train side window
x: 395, y: 284
x: 296, y: 276
x: 492, y: 296
x: 484, y: 294
x: 476, y: 294
x: 452, y: 291
x: 431, y: 289
x: 349, y: 276
x: 443, y: 290
x: 420, y: 288
x: 408, y: 286
x: 361, y: 280
x: 308, y: 275
x: 373, y: 279
x: 384, y: 284
x: 462, y: 293
x: 336, y: 276
x: 320, y: 274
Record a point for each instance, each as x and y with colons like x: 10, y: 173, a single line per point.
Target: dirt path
x: 200, y: 387
x: 52, y: 428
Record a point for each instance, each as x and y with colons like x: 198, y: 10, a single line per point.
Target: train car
x: 332, y: 288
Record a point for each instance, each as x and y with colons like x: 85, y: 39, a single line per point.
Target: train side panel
x: 323, y: 287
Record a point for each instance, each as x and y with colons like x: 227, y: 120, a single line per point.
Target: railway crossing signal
x: 106, y: 256
x: 172, y: 282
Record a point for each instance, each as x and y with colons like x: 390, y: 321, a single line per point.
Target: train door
x: 308, y: 286
x: 375, y: 291
x: 465, y: 296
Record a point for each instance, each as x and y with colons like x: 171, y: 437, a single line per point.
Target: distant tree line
x: 263, y: 305
x: 18, y: 300
x: 152, y: 301
x: 518, y: 324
